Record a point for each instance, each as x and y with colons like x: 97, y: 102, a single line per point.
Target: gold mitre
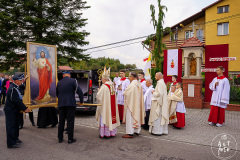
x: 106, y: 73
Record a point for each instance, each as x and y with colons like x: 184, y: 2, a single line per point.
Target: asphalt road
x: 43, y: 144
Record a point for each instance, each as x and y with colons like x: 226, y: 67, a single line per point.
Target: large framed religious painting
x: 42, y: 73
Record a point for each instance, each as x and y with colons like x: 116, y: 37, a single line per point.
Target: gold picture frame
x: 27, y: 98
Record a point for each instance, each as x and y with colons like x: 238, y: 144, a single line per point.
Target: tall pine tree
x: 55, y: 22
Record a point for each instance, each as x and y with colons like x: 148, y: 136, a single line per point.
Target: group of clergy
x: 136, y: 103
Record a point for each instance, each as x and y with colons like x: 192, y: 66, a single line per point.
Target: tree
x: 55, y: 22
x: 130, y: 67
x: 157, y: 54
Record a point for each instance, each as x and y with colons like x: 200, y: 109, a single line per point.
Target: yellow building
x: 216, y: 24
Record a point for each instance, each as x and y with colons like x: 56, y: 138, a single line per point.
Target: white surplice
x: 148, y: 98
x: 144, y: 87
x: 123, y: 84
x: 116, y: 79
x: 221, y: 93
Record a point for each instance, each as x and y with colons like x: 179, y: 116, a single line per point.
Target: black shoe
x: 20, y: 127
x: 14, y: 146
x: 54, y: 125
x: 105, y: 137
x: 60, y: 140
x: 156, y: 134
x: 174, y: 127
x: 33, y: 124
x: 72, y: 140
x: 18, y: 141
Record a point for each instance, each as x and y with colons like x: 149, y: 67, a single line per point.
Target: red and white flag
x: 172, y: 62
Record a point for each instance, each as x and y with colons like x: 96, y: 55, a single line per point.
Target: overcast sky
x: 111, y: 21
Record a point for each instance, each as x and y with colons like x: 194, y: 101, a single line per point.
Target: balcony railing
x: 176, y: 43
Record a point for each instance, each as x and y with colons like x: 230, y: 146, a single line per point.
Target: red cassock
x: 45, y: 80
x: 180, y: 120
x: 217, y: 115
x: 121, y: 110
x: 121, y: 107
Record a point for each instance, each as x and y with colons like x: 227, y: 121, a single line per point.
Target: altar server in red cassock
x: 121, y: 87
x: 220, y: 98
x: 180, y: 109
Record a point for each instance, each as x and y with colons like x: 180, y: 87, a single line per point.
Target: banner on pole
x: 172, y: 62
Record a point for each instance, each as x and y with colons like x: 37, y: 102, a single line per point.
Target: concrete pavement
x: 193, y: 142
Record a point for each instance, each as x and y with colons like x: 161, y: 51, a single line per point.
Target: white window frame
x: 190, y: 32
x: 200, y: 37
x: 222, y: 29
x: 224, y: 9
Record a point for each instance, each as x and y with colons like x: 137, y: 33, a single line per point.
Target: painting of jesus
x: 42, y: 74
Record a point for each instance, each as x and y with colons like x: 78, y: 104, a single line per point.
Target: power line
x: 117, y: 42
x: 208, y: 23
x: 113, y: 47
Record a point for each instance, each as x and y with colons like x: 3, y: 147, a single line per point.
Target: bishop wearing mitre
x: 134, y: 109
x: 159, y: 113
x: 107, y: 114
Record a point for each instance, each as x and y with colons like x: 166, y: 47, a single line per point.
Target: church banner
x: 172, y: 62
x: 42, y: 73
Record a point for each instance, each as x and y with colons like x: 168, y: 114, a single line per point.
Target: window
x: 200, y: 34
x: 223, y: 9
x: 175, y: 37
x: 223, y: 28
x: 188, y: 34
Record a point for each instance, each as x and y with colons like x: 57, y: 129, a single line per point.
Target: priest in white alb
x: 148, y: 102
x: 159, y: 114
x: 107, y: 114
x: 220, y: 98
x: 134, y: 110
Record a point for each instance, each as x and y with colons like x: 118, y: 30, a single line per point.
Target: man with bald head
x: 148, y: 102
x: 159, y: 114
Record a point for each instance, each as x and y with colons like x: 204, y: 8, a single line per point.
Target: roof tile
x: 192, y: 42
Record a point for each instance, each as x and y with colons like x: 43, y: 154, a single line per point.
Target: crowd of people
x: 134, y: 101
x: 131, y: 100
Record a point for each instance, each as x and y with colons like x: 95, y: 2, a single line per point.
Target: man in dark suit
x: 66, y: 89
x: 21, y: 120
x: 13, y: 106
